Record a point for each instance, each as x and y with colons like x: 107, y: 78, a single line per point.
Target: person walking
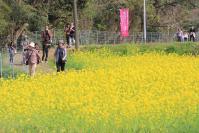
x: 46, y: 36
x: 186, y: 36
x: 32, y: 58
x: 192, y: 34
x: 179, y: 35
x: 67, y: 34
x: 11, y: 51
x: 60, y: 56
x: 72, y: 35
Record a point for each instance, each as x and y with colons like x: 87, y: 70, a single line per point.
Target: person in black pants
x: 67, y: 34
x: 45, y: 49
x: 192, y: 34
x: 72, y: 35
x: 46, y: 41
x: 60, y: 56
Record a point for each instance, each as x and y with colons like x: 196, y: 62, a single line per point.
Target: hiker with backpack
x: 60, y: 56
x: 46, y: 36
x: 32, y: 58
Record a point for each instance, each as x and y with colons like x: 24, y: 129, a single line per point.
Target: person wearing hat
x: 32, y: 58
x: 60, y: 56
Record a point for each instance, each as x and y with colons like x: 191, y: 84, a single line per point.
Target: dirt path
x: 45, y: 68
x: 19, y: 67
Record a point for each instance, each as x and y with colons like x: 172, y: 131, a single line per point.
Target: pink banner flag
x: 124, y: 22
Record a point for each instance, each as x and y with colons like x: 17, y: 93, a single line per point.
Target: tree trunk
x: 19, y: 2
x: 17, y: 32
x: 76, y: 25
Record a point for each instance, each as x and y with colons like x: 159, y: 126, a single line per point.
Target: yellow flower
x: 110, y: 87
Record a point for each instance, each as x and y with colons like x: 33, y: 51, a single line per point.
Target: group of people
x: 32, y: 56
x: 186, y: 36
x: 31, y: 50
x: 69, y: 31
x: 47, y: 36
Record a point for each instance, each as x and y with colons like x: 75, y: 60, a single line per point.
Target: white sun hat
x: 32, y: 44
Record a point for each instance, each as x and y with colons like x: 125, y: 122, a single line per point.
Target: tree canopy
x: 32, y: 15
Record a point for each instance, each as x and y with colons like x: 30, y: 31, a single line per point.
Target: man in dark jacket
x: 46, y: 36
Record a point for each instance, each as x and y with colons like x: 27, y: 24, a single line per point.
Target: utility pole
x: 76, y: 25
x: 144, y: 15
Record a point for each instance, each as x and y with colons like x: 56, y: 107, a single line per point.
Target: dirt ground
x: 18, y: 66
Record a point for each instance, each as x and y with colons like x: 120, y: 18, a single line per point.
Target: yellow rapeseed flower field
x: 141, y: 93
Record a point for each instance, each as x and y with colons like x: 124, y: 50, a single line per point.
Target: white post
x: 145, y: 21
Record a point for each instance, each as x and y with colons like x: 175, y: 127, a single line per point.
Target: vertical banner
x: 124, y: 22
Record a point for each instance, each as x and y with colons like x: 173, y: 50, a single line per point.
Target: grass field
x: 108, y: 89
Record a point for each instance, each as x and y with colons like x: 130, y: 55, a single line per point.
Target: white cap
x: 32, y: 44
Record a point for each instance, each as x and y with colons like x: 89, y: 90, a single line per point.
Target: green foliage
x: 133, y: 49
x: 4, y: 9
x: 97, y: 14
x: 3, y: 24
x: 36, y: 22
x: 36, y: 13
x: 160, y: 14
x: 102, y: 19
